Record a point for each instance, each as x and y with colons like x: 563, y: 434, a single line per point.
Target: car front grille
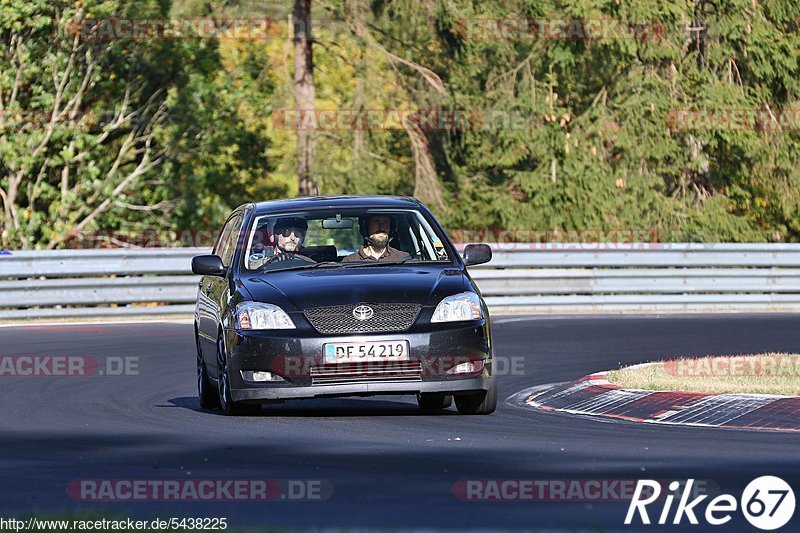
x: 339, y: 319
x: 359, y: 372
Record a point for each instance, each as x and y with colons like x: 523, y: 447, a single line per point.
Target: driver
x: 376, y: 229
x: 287, y: 237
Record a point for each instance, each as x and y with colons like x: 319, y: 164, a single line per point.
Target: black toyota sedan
x: 341, y: 296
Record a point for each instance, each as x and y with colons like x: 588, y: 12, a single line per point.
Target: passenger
x: 376, y: 230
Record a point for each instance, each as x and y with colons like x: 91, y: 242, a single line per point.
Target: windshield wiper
x: 331, y: 264
x: 355, y: 264
x: 326, y: 264
x: 368, y: 263
x: 300, y: 267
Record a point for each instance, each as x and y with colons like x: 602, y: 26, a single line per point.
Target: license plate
x: 359, y: 352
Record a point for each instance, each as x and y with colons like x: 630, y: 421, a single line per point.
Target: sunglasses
x: 288, y: 231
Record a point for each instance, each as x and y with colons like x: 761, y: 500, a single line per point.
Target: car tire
x: 226, y: 403
x: 431, y: 401
x: 209, y: 399
x: 478, y: 403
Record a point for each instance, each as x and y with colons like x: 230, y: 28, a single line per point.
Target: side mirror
x: 477, y: 254
x: 208, y: 265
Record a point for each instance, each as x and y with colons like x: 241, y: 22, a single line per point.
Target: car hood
x: 301, y: 289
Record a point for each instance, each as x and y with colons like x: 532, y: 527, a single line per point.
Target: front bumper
x: 296, y: 355
x: 260, y: 393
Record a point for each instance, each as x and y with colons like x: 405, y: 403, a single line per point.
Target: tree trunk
x: 304, y: 94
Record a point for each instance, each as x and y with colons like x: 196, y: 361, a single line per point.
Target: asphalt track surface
x: 389, y: 464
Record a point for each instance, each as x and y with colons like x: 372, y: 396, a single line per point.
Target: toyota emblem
x: 363, y: 312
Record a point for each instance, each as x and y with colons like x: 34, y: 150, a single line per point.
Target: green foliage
x: 600, y: 153
x: 594, y: 143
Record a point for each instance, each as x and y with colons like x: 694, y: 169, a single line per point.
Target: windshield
x: 341, y: 238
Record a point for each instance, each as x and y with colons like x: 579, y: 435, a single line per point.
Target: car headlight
x: 255, y: 315
x: 462, y: 306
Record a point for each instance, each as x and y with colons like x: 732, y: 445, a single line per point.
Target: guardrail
x: 539, y: 278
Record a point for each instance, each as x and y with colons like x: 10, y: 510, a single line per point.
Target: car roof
x: 322, y: 202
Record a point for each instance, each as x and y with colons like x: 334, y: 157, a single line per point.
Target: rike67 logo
x: 767, y: 503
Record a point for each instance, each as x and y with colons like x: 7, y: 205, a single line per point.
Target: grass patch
x: 770, y: 373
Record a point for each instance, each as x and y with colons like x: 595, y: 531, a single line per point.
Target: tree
x: 103, y: 137
x: 122, y: 134
x: 304, y: 94
x: 80, y: 121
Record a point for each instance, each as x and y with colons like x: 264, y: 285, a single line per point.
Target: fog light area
x: 259, y: 377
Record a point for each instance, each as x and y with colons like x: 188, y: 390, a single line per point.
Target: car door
x: 219, y: 288
x: 207, y: 297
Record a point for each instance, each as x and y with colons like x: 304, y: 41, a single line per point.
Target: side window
x: 228, y: 237
x: 425, y: 241
x: 409, y: 236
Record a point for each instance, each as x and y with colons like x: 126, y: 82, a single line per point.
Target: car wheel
x: 479, y: 403
x: 429, y: 401
x: 209, y: 399
x: 226, y: 403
